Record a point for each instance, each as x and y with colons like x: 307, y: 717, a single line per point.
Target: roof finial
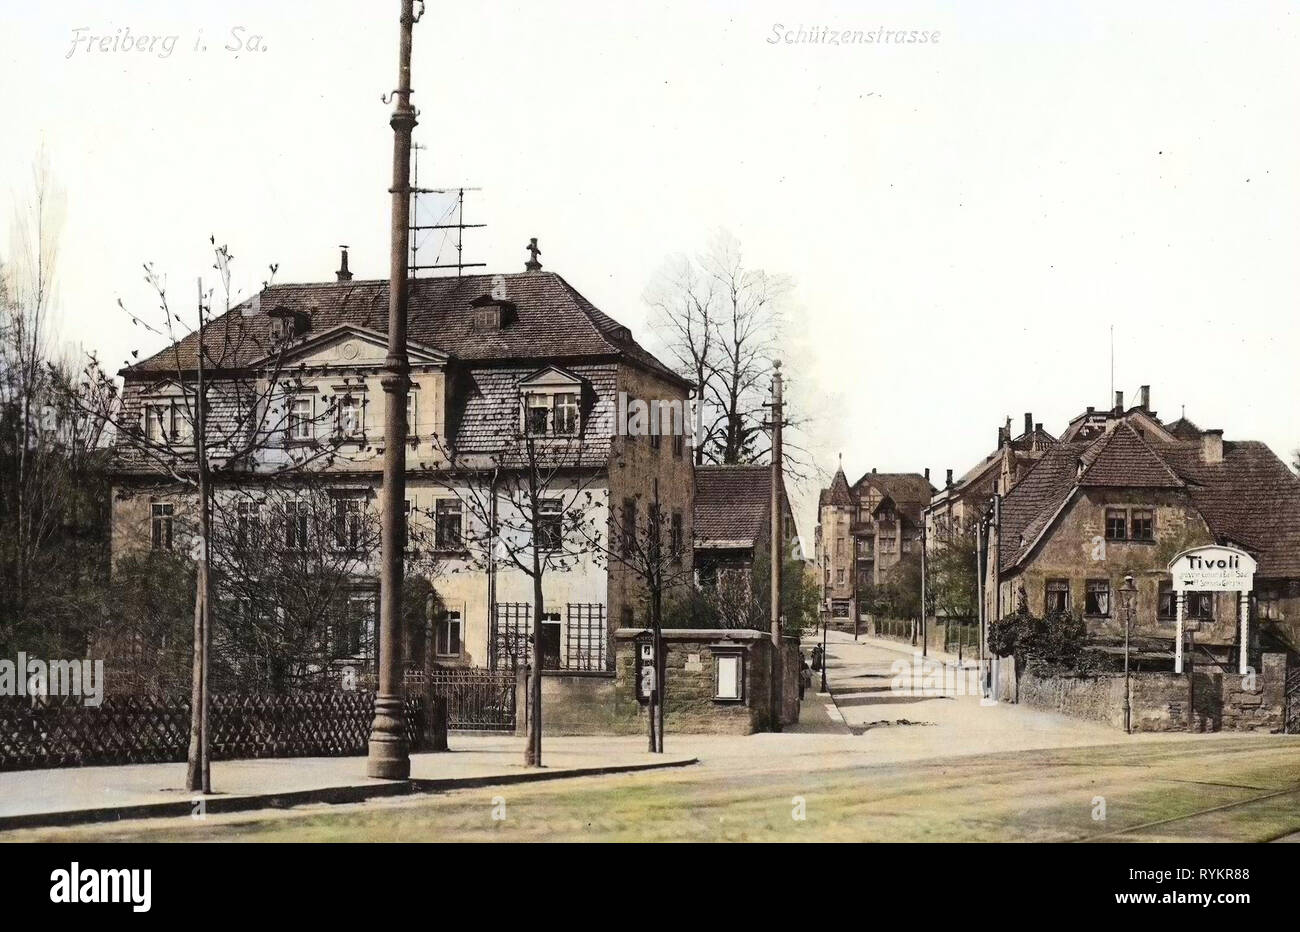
x: 532, y: 265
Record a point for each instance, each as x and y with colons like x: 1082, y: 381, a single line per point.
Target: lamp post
x: 389, y: 754
x: 1129, y: 594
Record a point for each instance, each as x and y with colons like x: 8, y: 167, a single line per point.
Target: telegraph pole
x: 389, y: 752
x: 778, y: 544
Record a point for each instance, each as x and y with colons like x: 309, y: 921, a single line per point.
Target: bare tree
x: 721, y: 322
x: 222, y: 408
x: 653, y: 553
x: 26, y: 385
x: 525, y: 505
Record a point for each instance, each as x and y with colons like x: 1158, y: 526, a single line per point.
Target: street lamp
x: 1128, y: 593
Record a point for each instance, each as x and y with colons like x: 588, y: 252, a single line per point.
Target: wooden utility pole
x: 389, y: 757
x: 778, y: 544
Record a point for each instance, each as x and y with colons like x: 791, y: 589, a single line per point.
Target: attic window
x: 287, y: 324
x: 487, y: 318
x: 489, y: 313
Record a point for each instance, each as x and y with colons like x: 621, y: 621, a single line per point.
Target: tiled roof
x: 1250, y: 498
x: 732, y: 502
x: 1184, y: 429
x: 1122, y: 458
x: 838, y: 493
x: 550, y: 320
x: 1038, y: 439
x: 909, y: 491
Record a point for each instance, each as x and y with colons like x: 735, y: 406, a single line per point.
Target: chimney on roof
x: 532, y: 265
x: 1029, y: 422
x: 1212, y: 446
x: 344, y: 274
x: 1091, y: 409
x: 927, y: 474
x: 1144, y: 398
x: 948, y: 481
x: 1038, y: 430
x: 1119, y: 400
x: 1004, y: 434
x: 873, y: 470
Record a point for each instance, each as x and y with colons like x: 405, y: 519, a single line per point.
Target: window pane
x: 1098, y: 598
x: 566, y: 414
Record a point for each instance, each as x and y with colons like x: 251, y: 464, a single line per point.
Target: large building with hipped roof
x: 498, y: 364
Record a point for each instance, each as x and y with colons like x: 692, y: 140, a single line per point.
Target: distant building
x: 864, y: 530
x: 962, y: 502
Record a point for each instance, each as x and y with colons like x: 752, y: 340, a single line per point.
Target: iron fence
x: 477, y: 699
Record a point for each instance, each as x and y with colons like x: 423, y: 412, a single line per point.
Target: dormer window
x: 551, y: 404
x: 166, y: 421
x: 287, y: 324
x: 491, y: 313
x: 551, y: 414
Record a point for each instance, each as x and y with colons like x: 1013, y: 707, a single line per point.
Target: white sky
x: 964, y: 221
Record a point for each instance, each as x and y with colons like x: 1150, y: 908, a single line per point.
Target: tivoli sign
x: 1213, y: 569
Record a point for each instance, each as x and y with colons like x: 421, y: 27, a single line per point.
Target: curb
x: 333, y: 795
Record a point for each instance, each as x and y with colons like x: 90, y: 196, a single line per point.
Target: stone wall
x: 1219, y: 701
x: 602, y: 703
x: 573, y: 703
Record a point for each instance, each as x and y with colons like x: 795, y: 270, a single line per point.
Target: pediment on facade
x: 349, y: 346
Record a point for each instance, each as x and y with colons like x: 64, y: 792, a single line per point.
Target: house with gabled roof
x: 733, y: 511
x: 1121, y: 494
x: 864, y: 530
x: 492, y: 358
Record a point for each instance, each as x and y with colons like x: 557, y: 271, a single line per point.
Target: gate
x: 477, y: 699
x: 1291, y: 703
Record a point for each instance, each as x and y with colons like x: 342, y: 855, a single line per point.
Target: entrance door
x: 551, y: 641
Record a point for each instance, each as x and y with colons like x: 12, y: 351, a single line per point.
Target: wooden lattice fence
x: 62, y: 731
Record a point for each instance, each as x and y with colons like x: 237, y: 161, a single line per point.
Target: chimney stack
x: 1119, y: 400
x: 1212, y: 446
x: 927, y: 474
x: 344, y: 274
x: 1029, y: 422
x: 948, y: 481
x: 1144, y: 398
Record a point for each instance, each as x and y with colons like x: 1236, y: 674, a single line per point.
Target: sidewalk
x: 91, y: 794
